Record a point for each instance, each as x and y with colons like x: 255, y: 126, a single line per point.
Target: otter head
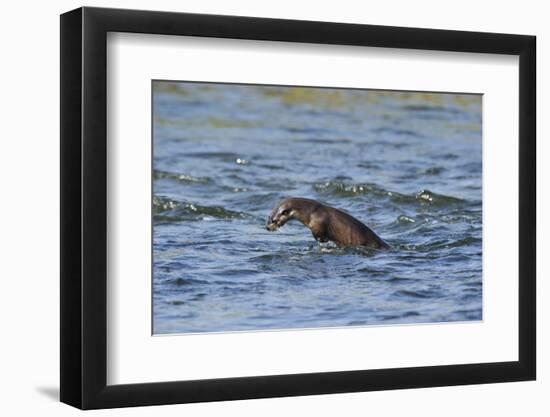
x: 283, y: 212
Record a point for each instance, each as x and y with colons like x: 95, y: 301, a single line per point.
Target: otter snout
x: 271, y: 224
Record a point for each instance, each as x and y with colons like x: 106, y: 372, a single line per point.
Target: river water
x: 407, y: 164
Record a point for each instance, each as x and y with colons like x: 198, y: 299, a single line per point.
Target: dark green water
x: 406, y: 164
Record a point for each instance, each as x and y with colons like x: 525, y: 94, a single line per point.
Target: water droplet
x: 425, y: 195
x: 405, y: 219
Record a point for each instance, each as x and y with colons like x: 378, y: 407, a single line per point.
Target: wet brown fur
x: 326, y: 223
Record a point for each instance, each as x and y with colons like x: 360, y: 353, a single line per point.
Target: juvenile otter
x: 326, y: 223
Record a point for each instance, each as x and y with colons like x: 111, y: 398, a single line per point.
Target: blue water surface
x: 407, y: 164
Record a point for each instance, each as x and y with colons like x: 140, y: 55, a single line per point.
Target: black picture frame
x: 84, y: 207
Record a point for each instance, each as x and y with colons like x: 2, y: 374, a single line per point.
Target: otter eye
x: 285, y: 212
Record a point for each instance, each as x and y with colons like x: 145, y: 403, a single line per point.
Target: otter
x: 326, y: 223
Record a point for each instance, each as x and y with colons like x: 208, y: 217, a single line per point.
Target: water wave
x: 166, y: 209
x: 396, y: 132
x: 433, y: 244
x: 436, y: 170
x: 224, y: 156
x: 344, y: 189
x: 157, y: 175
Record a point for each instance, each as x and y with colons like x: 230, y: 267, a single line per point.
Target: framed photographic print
x: 258, y: 207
